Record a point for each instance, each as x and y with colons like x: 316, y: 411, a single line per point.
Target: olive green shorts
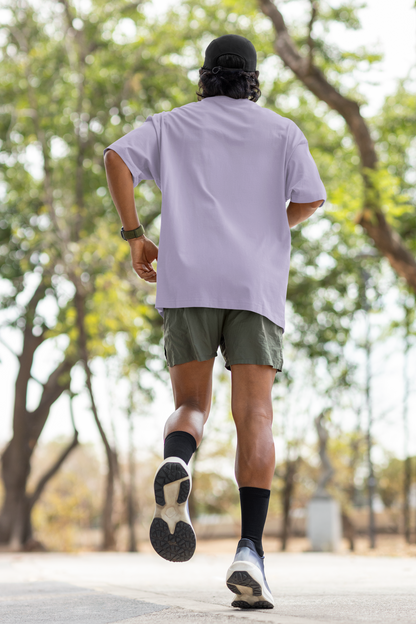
x: 244, y: 337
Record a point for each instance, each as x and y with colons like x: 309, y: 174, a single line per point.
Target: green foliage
x: 395, y: 128
x: 385, y: 193
x: 68, y: 92
x: 328, y: 56
x: 94, y: 83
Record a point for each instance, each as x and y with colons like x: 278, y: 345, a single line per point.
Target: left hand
x: 143, y: 253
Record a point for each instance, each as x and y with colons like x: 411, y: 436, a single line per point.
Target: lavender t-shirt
x: 225, y: 168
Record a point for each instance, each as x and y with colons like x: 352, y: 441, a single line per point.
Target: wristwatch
x: 126, y: 235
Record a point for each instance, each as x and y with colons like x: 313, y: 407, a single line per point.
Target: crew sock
x: 254, y: 506
x: 179, y: 444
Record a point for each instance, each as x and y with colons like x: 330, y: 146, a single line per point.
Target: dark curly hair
x: 238, y: 85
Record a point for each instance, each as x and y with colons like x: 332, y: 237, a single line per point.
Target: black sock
x: 254, y: 506
x: 179, y: 444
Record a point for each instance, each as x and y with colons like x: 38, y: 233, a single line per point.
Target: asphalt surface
x: 124, y: 588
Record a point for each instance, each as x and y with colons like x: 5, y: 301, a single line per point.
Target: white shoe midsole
x: 246, y: 593
x: 172, y: 512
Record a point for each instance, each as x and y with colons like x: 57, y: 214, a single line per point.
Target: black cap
x: 231, y: 44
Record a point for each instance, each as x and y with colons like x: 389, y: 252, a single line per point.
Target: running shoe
x: 171, y: 532
x: 246, y: 579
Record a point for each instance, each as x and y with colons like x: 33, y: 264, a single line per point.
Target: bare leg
x: 251, y: 406
x: 192, y: 393
x: 171, y: 532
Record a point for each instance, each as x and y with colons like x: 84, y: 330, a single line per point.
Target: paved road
x: 124, y: 588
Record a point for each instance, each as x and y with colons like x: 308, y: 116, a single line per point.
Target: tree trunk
x: 109, y: 539
x: 406, y: 494
x: 15, y: 522
x: 131, y: 496
x: 371, y: 482
x: 407, y: 476
x: 15, y: 519
x: 348, y: 530
x: 287, y: 495
x: 15, y: 529
x: 348, y: 524
x: 371, y: 217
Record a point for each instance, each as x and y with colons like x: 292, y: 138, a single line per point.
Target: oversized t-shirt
x: 226, y: 169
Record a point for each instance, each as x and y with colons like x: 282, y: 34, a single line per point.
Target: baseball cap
x: 231, y: 44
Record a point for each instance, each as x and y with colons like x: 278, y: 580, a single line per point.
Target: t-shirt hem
x: 127, y: 162
x: 225, y: 305
x: 306, y: 199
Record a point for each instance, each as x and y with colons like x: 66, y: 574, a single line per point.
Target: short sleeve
x: 139, y: 149
x: 303, y: 183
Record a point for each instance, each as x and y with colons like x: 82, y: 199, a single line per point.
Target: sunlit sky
x: 391, y: 29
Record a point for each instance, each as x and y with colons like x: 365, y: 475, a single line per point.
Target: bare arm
x: 120, y: 183
x: 296, y: 213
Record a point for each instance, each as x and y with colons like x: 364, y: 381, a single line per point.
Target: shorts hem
x: 262, y: 363
x: 186, y: 360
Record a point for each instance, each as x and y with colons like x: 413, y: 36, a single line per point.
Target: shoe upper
x: 246, y: 551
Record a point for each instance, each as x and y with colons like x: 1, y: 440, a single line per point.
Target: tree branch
x: 82, y: 51
x: 311, y: 43
x: 108, y: 526
x: 55, y: 467
x: 30, y: 344
x: 59, y: 381
x: 371, y: 218
x: 315, y: 81
x: 80, y: 307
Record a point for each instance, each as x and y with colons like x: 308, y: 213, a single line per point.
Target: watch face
x: 122, y: 234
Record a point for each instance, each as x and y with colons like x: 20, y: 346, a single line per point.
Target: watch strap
x: 128, y: 234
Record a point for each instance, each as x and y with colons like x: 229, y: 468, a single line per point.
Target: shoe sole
x: 246, y: 581
x: 171, y: 532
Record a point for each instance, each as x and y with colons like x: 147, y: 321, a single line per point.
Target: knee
x: 254, y: 420
x: 254, y: 433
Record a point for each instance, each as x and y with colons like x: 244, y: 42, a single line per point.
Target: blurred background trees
x: 75, y: 77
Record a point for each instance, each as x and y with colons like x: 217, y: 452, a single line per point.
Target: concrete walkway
x: 124, y: 588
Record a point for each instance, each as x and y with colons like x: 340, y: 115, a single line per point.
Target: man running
x: 226, y: 168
